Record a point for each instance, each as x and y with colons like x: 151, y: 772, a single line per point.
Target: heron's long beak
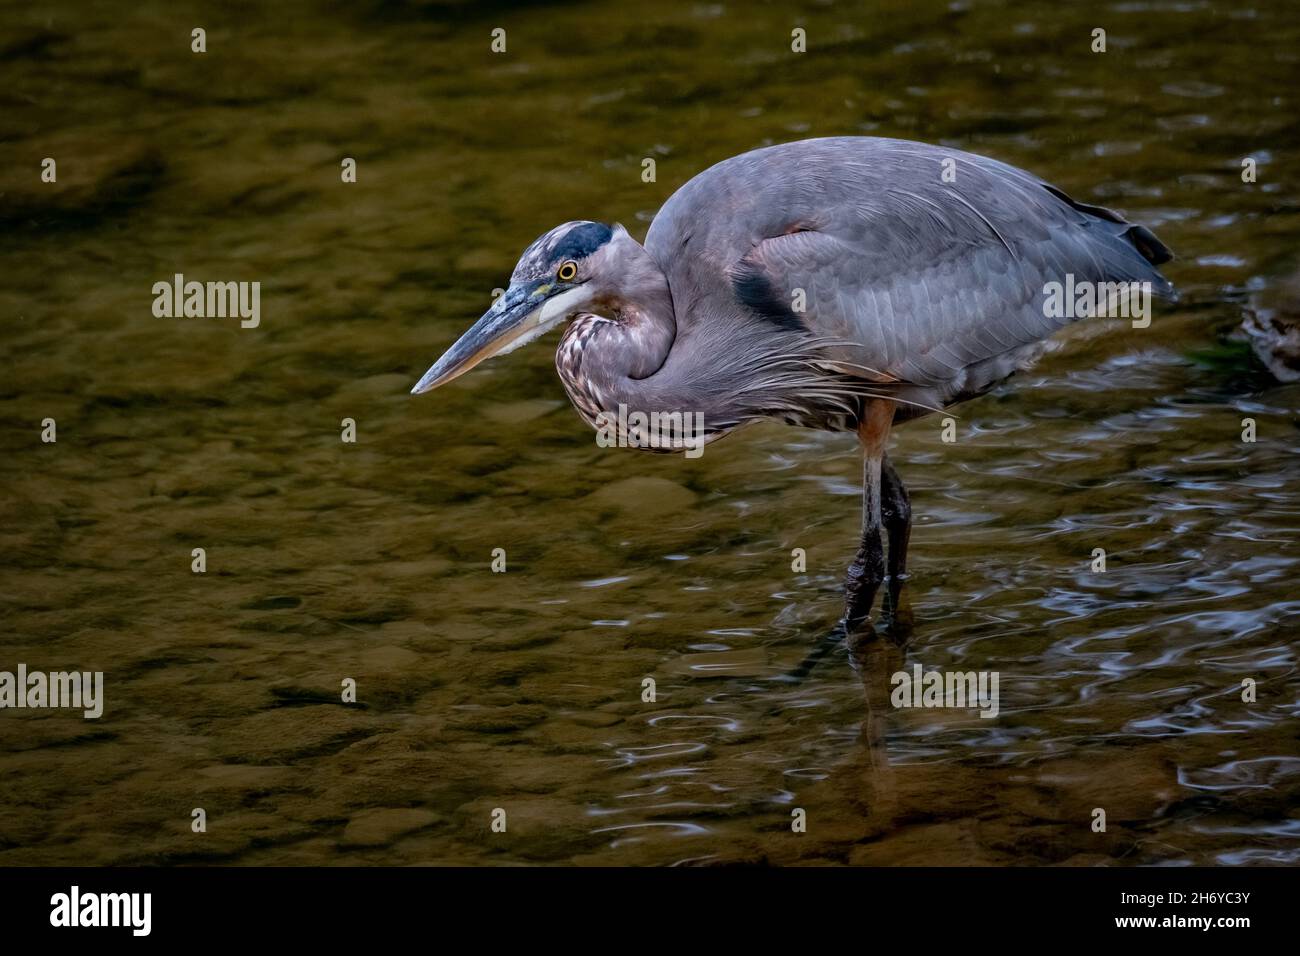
x: 502, y: 326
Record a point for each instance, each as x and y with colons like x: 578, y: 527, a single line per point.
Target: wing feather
x: 912, y: 276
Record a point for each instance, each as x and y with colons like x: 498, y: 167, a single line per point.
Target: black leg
x: 896, y: 514
x: 867, y: 571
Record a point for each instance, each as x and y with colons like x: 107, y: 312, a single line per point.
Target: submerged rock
x: 381, y: 827
x: 642, y: 495
x: 95, y: 177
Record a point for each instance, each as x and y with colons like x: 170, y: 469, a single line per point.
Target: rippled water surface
x: 523, y: 691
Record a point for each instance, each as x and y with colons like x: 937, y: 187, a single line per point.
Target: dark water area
x: 370, y: 561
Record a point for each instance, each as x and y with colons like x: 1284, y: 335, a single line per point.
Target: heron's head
x: 559, y: 275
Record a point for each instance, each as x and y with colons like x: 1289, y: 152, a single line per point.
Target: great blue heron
x: 849, y: 283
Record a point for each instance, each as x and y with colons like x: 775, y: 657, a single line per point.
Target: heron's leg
x: 896, y: 512
x: 867, y: 571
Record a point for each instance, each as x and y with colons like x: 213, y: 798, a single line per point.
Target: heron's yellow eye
x: 567, y: 271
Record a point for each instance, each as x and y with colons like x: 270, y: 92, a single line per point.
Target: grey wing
x: 906, y: 276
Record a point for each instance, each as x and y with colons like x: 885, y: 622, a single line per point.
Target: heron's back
x: 925, y: 265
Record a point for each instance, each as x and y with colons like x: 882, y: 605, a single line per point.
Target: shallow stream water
x: 523, y: 691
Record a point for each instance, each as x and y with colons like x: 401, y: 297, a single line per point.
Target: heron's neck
x: 643, y: 332
x: 611, y: 359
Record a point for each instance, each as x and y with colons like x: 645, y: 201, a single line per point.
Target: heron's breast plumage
x: 583, y: 391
